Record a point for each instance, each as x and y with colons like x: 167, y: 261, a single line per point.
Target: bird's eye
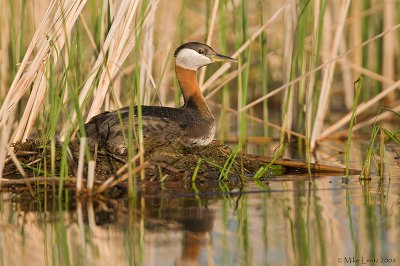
x: 201, y: 51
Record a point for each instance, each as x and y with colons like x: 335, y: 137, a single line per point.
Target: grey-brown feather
x: 184, y: 125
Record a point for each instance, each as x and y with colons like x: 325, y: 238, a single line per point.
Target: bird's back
x: 184, y: 125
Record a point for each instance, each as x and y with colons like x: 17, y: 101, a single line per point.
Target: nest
x: 167, y: 163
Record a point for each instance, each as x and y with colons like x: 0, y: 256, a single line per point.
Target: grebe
x: 193, y: 124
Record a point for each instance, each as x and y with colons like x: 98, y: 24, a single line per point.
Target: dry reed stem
x: 348, y: 90
x: 389, y: 41
x: 259, y: 120
x: 356, y: 34
x: 289, y: 23
x: 119, y: 172
x: 26, y: 72
x: 228, y: 78
x: 81, y: 224
x: 285, y: 86
x: 384, y: 115
x: 32, y: 107
x: 366, y: 72
x: 5, y: 136
x: 360, y: 109
x: 91, y: 176
x: 323, y: 102
x: 119, y: 43
x: 20, y: 169
x: 81, y: 160
x: 83, y: 95
x: 148, y: 72
x: 16, y: 162
x: 309, y: 91
x: 25, y: 77
x: 112, y: 183
x: 209, y: 36
x: 8, y: 182
x: 4, y: 48
x: 88, y: 32
x: 147, y: 56
x: 220, y: 71
x: 118, y: 36
x: 316, y: 167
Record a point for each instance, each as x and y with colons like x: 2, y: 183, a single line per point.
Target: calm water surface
x: 286, y: 221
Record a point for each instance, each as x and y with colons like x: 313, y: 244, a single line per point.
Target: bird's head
x: 193, y: 55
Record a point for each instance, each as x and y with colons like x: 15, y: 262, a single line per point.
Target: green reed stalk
x: 135, y: 123
x: 98, y: 26
x: 71, y: 79
x: 381, y: 153
x: 193, y: 182
x: 224, y: 123
x: 367, y: 31
x: 60, y: 246
x: 135, y: 119
x: 54, y: 111
x: 21, y: 45
x: 16, y: 48
x: 352, y: 122
x: 264, y: 70
x: 297, y: 67
x: 365, y: 171
x: 243, y: 229
x: 243, y: 78
x: 208, y: 17
x: 300, y: 64
x: 228, y: 163
x: 181, y: 38
x: 319, y: 220
x: 196, y: 170
x: 13, y: 40
x: 392, y: 136
x: 312, y: 94
x: 261, y: 172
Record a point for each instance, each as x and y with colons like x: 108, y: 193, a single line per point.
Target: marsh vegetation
x: 317, y: 82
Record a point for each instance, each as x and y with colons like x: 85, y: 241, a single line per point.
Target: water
x: 287, y: 221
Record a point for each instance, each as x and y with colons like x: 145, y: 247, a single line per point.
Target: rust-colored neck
x: 190, y: 88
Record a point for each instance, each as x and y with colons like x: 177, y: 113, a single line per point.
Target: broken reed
x: 67, y: 70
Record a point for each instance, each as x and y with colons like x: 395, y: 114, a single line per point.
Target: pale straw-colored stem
x: 111, y: 66
x: 146, y: 59
x: 209, y: 36
x: 26, y: 72
x: 323, y: 102
x: 383, y: 116
x: 389, y: 41
x: 360, y: 109
x: 283, y: 87
x: 5, y: 136
x: 91, y: 176
x: 347, y: 82
x: 106, y: 184
x: 229, y: 77
x: 63, y: 21
x: 81, y: 160
x: 244, y: 46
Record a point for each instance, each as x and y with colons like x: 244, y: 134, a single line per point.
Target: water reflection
x: 146, y: 230
x: 285, y: 221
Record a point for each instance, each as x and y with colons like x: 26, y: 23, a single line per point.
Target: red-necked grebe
x: 193, y: 124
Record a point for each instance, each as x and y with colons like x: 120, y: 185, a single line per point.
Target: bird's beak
x: 222, y: 58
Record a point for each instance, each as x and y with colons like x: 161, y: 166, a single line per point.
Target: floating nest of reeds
x: 165, y: 165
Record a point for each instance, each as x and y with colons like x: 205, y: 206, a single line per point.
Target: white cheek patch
x: 190, y: 59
